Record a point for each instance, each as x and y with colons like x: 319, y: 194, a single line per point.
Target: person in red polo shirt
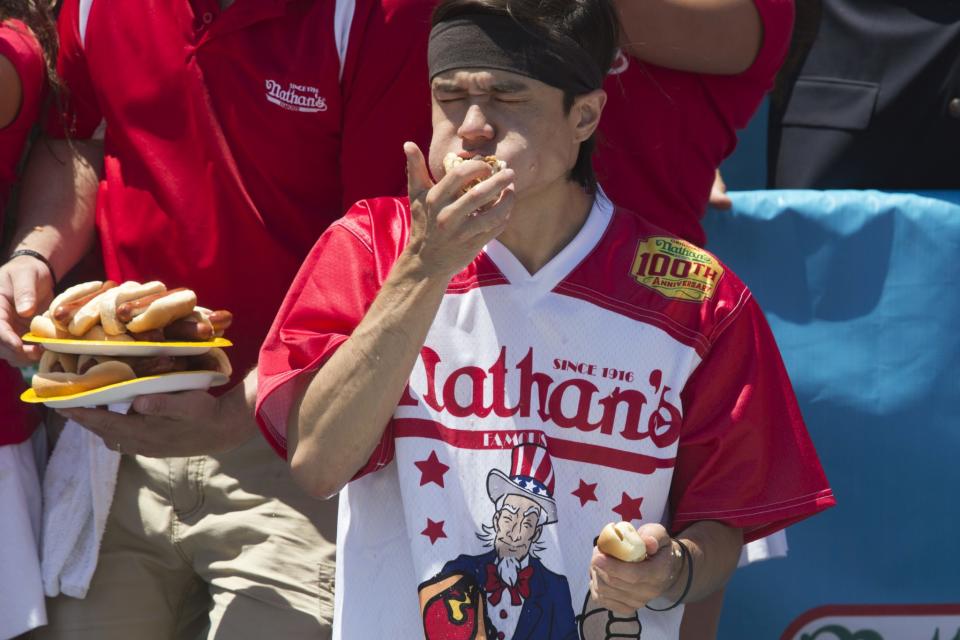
x: 689, y: 75
x: 27, y: 41
x: 216, y: 141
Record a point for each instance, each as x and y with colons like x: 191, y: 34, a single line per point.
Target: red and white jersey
x: 234, y: 137
x: 631, y: 378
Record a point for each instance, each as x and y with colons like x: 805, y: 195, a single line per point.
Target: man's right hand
x: 450, y: 227
x: 26, y: 287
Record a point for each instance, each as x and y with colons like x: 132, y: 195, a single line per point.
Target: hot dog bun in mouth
x: 452, y: 160
x: 622, y: 541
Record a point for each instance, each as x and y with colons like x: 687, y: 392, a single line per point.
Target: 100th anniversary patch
x: 676, y: 269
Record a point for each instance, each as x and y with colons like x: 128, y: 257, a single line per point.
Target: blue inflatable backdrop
x: 860, y: 288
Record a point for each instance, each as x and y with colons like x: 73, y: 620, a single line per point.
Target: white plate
x: 127, y: 391
x: 117, y: 348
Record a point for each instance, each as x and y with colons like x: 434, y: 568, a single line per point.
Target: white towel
x: 77, y: 493
x: 22, y: 605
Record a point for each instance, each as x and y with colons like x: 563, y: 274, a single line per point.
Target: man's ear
x: 585, y: 113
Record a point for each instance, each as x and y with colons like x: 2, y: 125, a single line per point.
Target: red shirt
x: 234, y: 138
x: 20, y: 47
x: 664, y: 132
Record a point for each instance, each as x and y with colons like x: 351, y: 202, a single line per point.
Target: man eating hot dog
x: 527, y: 324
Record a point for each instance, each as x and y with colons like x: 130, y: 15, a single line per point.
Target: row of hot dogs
x: 124, y: 313
x: 130, y: 311
x: 64, y: 374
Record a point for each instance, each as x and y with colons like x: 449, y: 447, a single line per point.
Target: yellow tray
x: 130, y: 389
x: 119, y: 348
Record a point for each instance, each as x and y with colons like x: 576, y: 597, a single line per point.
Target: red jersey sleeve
x: 745, y: 457
x: 80, y: 111
x: 386, y: 96
x: 329, y: 297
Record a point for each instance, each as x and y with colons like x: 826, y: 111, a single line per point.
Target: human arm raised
x: 341, y: 411
x: 701, y: 36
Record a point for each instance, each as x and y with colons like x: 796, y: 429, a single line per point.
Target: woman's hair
x: 39, y: 16
x: 592, y: 24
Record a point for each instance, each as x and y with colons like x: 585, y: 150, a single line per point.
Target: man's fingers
x: 418, y: 177
x: 170, y: 405
x: 481, y: 203
x: 24, y: 284
x: 110, y: 426
x: 655, y: 536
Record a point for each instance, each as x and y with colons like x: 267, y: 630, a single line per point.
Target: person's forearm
x: 237, y: 407
x: 700, y: 36
x: 715, y: 549
x: 342, y: 414
x: 57, y: 201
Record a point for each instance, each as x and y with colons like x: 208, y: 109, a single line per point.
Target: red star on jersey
x: 431, y: 469
x: 434, y: 531
x: 629, y: 508
x: 586, y: 492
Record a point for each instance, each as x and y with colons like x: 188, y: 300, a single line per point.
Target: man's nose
x: 475, y: 125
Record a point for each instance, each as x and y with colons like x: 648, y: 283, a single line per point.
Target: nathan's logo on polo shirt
x: 677, y: 269
x: 296, y: 97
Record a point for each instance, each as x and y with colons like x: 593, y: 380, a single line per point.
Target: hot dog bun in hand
x: 622, y: 541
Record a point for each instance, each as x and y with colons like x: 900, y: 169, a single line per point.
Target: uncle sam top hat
x: 531, y: 476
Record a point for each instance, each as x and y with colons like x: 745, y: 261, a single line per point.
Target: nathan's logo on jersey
x: 296, y: 97
x: 568, y: 402
x: 676, y: 268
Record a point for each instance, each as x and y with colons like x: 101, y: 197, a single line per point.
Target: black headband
x: 488, y: 41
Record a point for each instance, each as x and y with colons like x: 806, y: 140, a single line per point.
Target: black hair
x: 592, y: 24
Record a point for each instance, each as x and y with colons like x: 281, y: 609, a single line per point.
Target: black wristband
x: 38, y: 256
x: 688, y: 559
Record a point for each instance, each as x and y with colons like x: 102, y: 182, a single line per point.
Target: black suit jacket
x: 876, y: 103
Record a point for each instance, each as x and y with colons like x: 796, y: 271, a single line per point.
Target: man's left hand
x: 624, y: 587
x: 169, y: 425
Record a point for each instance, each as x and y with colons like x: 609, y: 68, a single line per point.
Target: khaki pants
x: 207, y: 547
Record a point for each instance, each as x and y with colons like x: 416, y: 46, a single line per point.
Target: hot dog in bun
x: 123, y: 293
x: 62, y: 383
x: 61, y: 374
x: 129, y: 311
